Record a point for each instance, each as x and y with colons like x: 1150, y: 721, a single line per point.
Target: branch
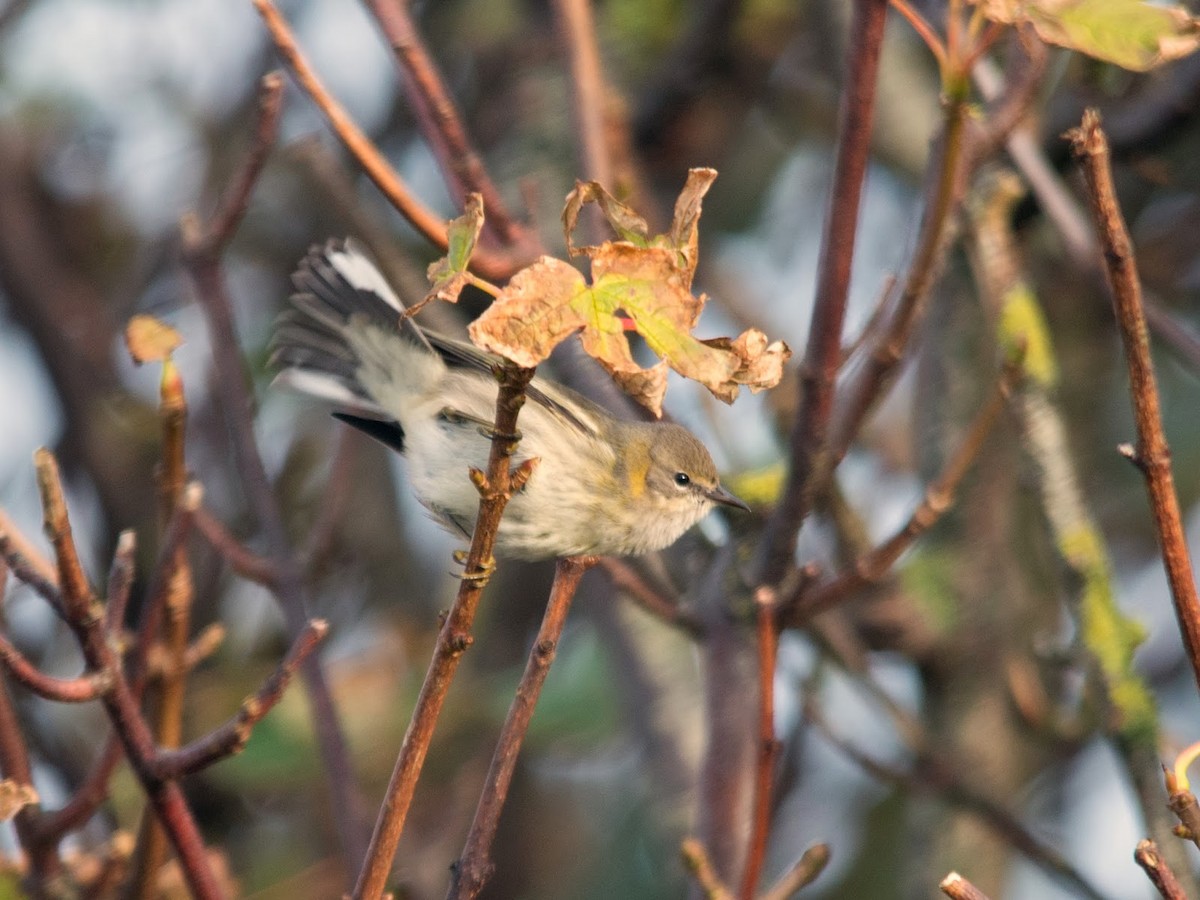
x: 441, y: 123
x: 695, y: 858
x: 86, y: 620
x: 958, y: 888
x: 474, y: 865
x: 200, y: 246
x: 454, y: 637
x: 803, y: 873
x: 487, y: 263
x: 577, y: 28
x: 939, y: 497
x: 1152, y: 454
x: 1147, y: 856
x: 808, y: 444
x: 767, y: 629
x: 241, y: 558
x: 86, y: 687
x: 232, y: 737
x: 625, y: 578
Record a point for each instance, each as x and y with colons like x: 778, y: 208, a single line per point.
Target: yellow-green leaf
x: 448, y: 275
x: 1132, y: 34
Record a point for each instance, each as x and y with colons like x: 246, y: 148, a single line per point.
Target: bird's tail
x: 345, y: 339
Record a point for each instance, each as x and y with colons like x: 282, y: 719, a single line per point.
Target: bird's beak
x: 720, y: 495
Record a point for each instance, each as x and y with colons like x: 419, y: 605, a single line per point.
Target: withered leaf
x: 150, y: 340
x: 14, y: 797
x: 627, y: 224
x: 550, y: 300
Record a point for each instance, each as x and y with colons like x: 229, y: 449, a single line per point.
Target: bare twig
x: 120, y: 582
x: 232, y: 737
x: 200, y: 246
x: 241, y: 558
x: 64, y: 690
x: 453, y: 639
x: 86, y: 620
x: 939, y: 497
x: 808, y: 450
x: 1152, y: 454
x: 1147, y: 856
x: 767, y: 630
x: 491, y: 265
x: 695, y: 857
x: 578, y: 30
x: 442, y: 125
x: 803, y: 873
x: 474, y: 865
x: 625, y: 578
x: 957, y: 887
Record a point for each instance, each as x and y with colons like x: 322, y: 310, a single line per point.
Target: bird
x: 601, y: 486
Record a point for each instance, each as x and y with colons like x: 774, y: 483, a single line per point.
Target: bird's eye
x: 682, y: 479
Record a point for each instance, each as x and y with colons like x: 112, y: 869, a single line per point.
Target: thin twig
x: 767, y: 630
x: 241, y: 559
x: 939, y: 497
x: 957, y: 887
x: 87, y: 797
x: 626, y: 579
x: 1147, y: 856
x: 453, y: 639
x: 28, y: 571
x: 1152, y: 454
x: 204, y: 267
x: 233, y: 736
x: 120, y: 582
x: 441, y: 122
x: 803, y: 873
x: 82, y: 689
x: 494, y: 266
x: 474, y: 865
x: 86, y: 620
x: 695, y: 858
x: 807, y: 445
x: 578, y: 32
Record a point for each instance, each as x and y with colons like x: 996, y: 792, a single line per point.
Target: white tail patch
x: 324, y: 387
x: 362, y: 274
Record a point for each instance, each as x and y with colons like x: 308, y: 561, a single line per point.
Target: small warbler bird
x: 601, y: 486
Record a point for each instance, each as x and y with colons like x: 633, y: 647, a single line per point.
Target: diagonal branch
x: 474, y: 865
x: 1151, y: 454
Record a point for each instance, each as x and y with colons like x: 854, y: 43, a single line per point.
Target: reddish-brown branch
x: 578, y: 29
x: 232, y: 737
x: 474, y: 864
x: 1152, y: 454
x: 200, y: 246
x: 625, y: 578
x: 236, y: 199
x: 767, y: 629
x: 939, y: 497
x: 241, y: 558
x: 64, y: 690
x: 29, y: 572
x: 442, y: 125
x: 15, y: 765
x: 86, y: 620
x: 86, y: 799
x: 1147, y: 856
x: 808, y: 443
x: 453, y: 639
x: 957, y: 887
x: 496, y: 267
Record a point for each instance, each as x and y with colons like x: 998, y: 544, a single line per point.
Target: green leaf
x: 448, y: 275
x: 1129, y: 33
